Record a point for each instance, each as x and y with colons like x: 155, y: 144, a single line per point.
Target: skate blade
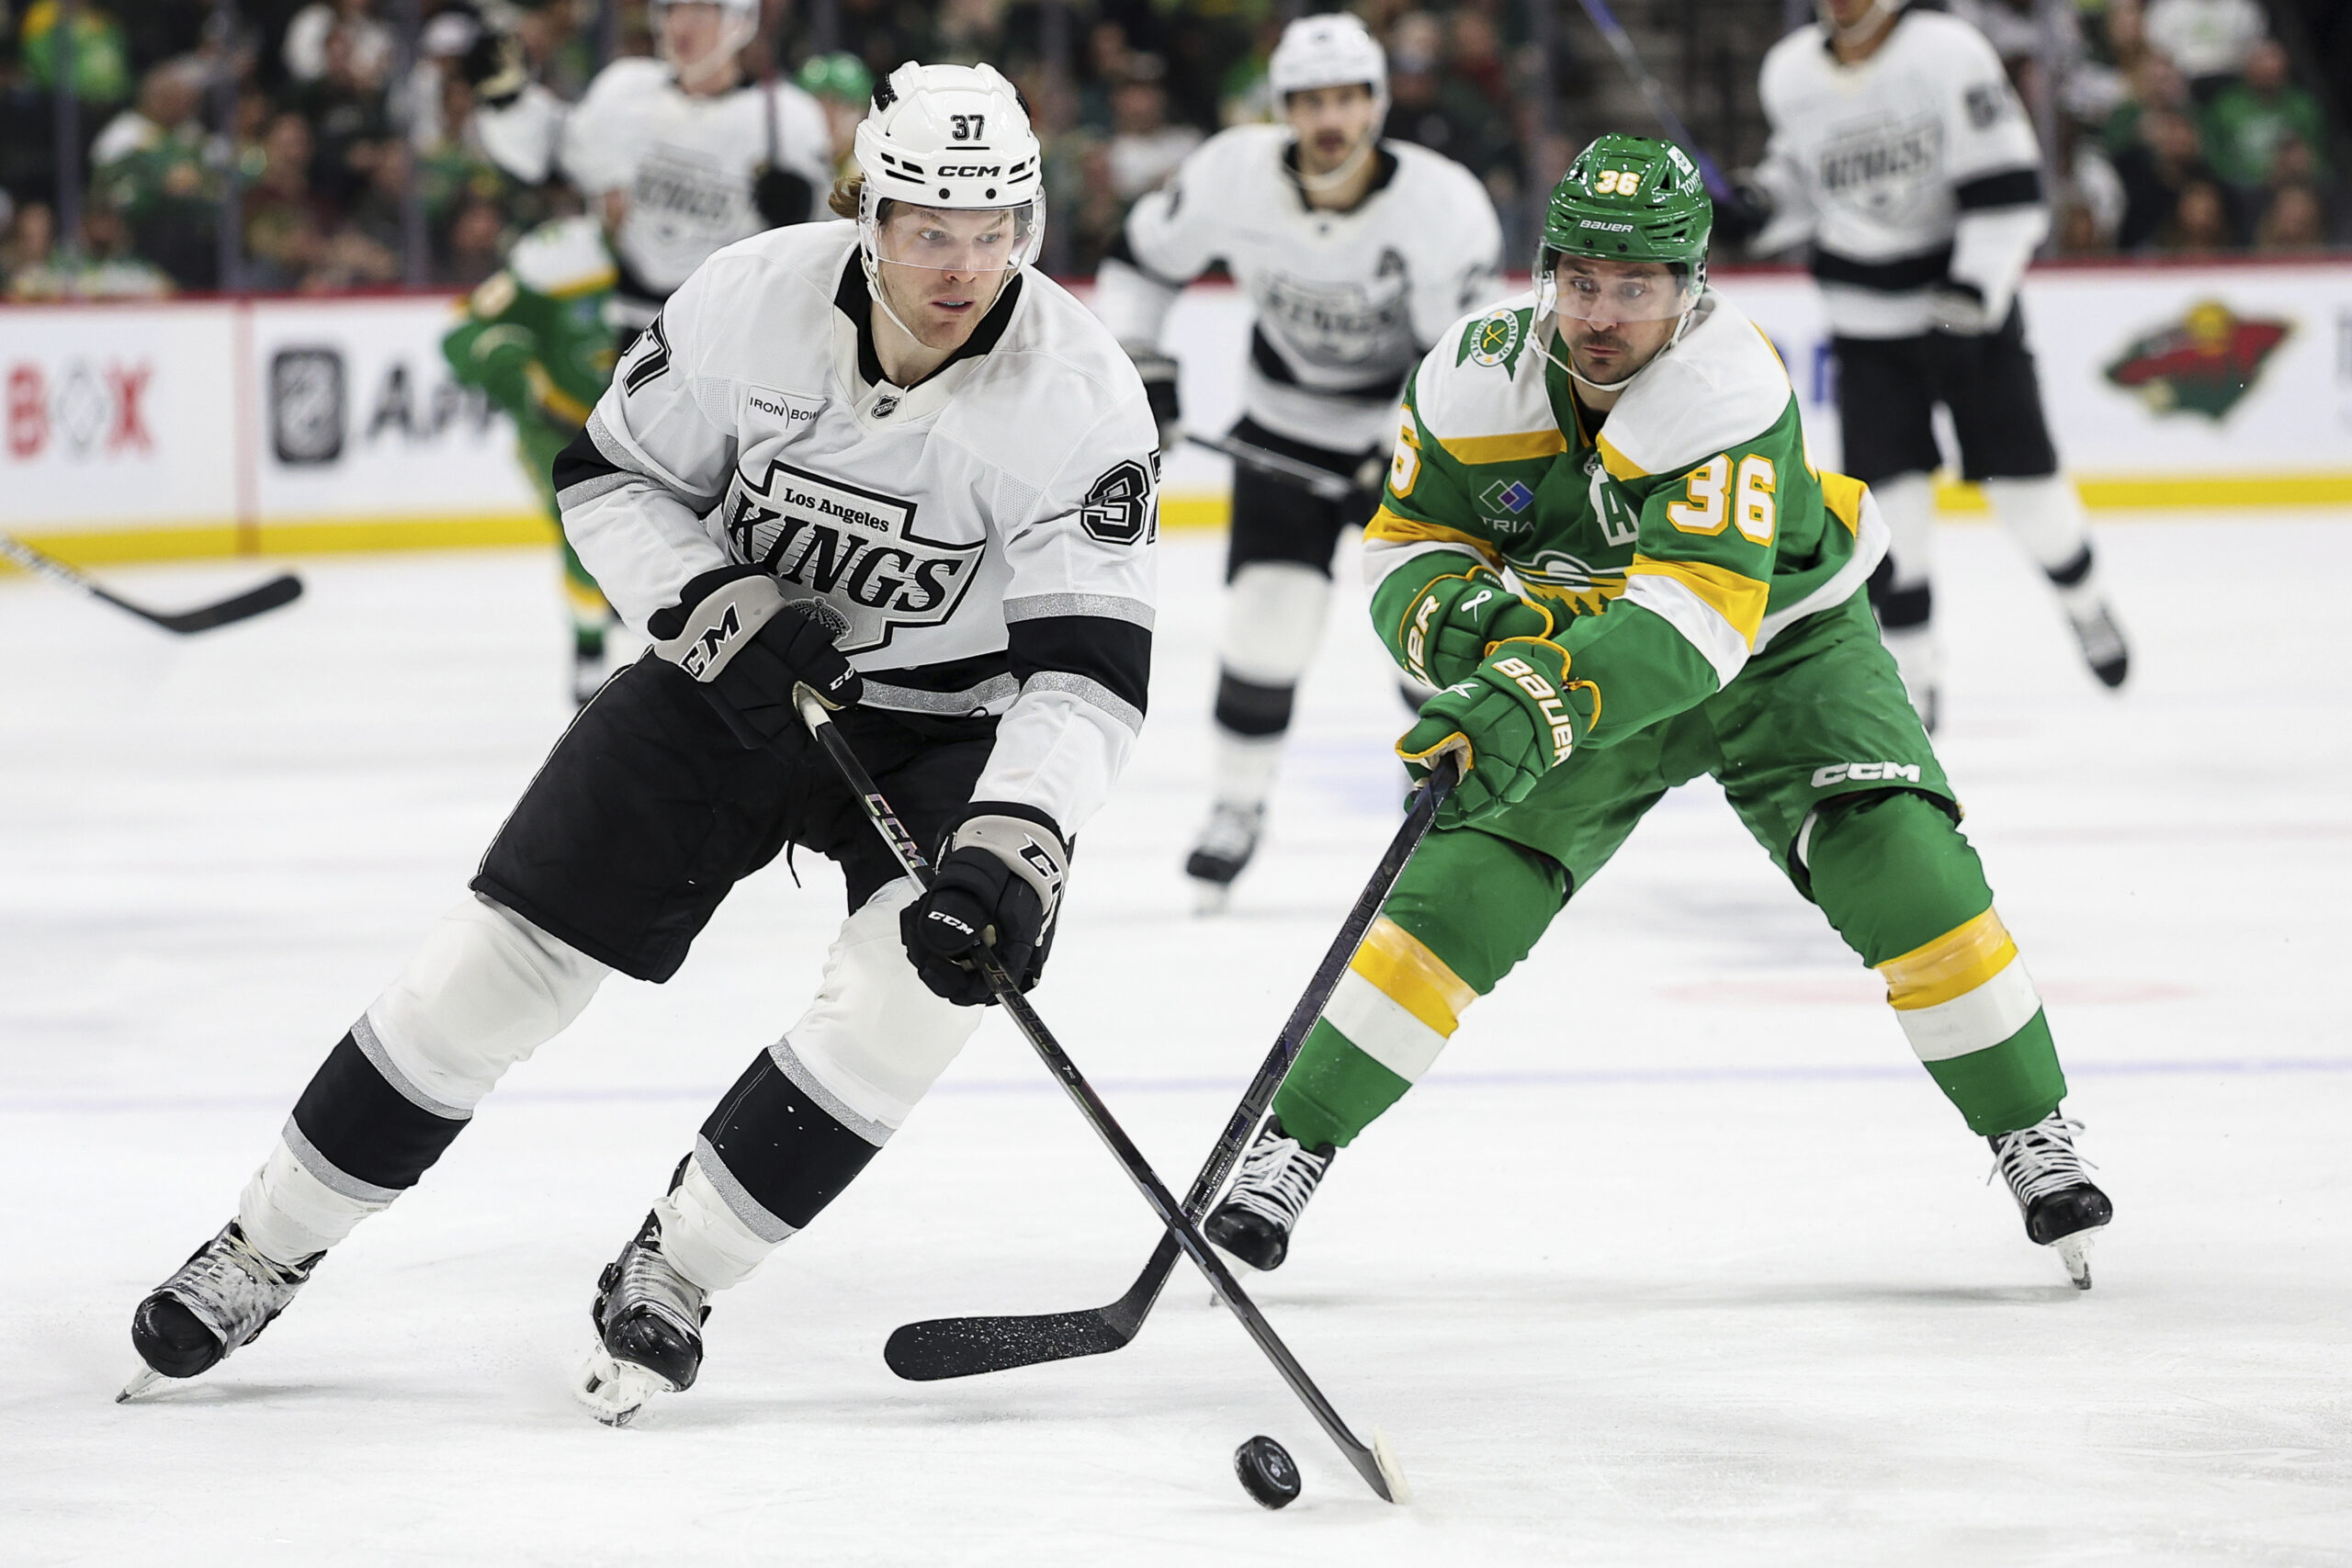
x: 143, y: 1380
x: 615, y: 1390
x: 2074, y: 1251
x: 1211, y: 897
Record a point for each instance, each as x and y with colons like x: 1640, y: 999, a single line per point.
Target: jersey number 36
x: 1710, y: 502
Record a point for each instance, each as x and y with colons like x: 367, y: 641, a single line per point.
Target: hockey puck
x: 1267, y: 1472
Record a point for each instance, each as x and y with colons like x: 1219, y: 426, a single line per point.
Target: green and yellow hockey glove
x: 1513, y: 719
x: 1449, y: 625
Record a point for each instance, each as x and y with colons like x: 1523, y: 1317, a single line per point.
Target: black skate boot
x: 1225, y: 845
x: 1278, y: 1175
x: 2102, y: 642
x: 649, y: 1321
x: 2060, y: 1207
x: 219, y: 1301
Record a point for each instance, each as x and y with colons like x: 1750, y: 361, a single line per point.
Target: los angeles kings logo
x: 856, y: 547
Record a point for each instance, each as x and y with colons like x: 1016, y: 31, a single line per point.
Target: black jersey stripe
x: 1898, y: 274
x: 1268, y: 363
x: 2009, y: 187
x: 1113, y: 654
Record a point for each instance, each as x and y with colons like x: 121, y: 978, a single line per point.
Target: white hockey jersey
x: 988, y: 534
x: 1915, y: 168
x: 1346, y: 302
x: 684, y: 163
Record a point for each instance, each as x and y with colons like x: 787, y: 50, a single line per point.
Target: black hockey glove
x: 495, y: 68
x: 1743, y: 213
x: 733, y: 632
x: 999, y: 880
x: 1158, y: 373
x: 782, y: 196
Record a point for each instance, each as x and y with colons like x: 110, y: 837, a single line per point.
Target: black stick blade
x: 943, y: 1347
x: 254, y: 601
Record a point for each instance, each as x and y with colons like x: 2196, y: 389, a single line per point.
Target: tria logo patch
x: 1514, y: 497
x: 857, y: 549
x: 2203, y: 363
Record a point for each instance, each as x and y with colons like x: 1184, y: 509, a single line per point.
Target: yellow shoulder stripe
x: 1620, y: 465
x: 1737, y: 597
x: 1521, y: 447
x: 1405, y: 971
x: 1392, y: 529
x: 552, y: 398
x: 588, y: 284
x: 1952, y: 965
x: 1843, y: 496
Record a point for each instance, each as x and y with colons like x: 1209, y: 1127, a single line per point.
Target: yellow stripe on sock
x: 1952, y: 965
x: 1394, y: 960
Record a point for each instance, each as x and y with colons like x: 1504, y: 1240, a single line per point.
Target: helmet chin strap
x: 880, y: 294
x: 1348, y: 167
x: 736, y: 33
x: 1566, y: 360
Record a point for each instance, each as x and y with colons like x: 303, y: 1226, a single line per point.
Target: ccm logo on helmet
x: 1864, y: 772
x: 970, y: 171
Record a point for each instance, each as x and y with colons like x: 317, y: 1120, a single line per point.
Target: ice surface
x: 1676, y: 1259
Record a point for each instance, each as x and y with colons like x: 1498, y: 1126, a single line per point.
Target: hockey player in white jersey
x: 1899, y: 149
x: 1356, y: 254
x: 681, y: 156
x: 883, y: 460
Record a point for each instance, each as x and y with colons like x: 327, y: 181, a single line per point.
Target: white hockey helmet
x: 1332, y: 51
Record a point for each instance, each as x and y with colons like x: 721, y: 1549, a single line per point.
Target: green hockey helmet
x: 841, y: 75
x: 1626, y: 198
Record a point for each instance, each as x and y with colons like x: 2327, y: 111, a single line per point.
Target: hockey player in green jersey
x: 1684, y: 597
x: 535, y: 339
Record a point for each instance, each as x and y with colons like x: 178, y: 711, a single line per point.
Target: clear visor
x: 971, y: 243
x: 1581, y: 290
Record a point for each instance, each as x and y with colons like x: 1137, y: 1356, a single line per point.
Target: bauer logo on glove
x: 1455, y: 621
x: 1514, y: 719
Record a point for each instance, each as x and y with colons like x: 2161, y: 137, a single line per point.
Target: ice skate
x: 649, y: 1321
x: 219, y: 1301
x: 1225, y: 845
x: 2060, y: 1207
x: 2102, y: 643
x: 1278, y: 1175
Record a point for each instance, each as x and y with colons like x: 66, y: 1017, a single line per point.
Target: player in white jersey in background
x: 680, y: 155
x: 1355, y: 253
x: 884, y: 460
x: 1899, y: 149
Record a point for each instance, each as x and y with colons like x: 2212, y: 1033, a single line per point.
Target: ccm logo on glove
x: 747, y: 650
x: 999, y: 884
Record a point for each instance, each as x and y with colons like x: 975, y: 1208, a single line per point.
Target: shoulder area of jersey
x: 815, y: 252
x: 565, y: 256
x: 1485, y: 378
x: 1723, y: 384
x: 1239, y: 148
x: 1419, y: 166
x: 632, y: 76
x: 1053, y: 334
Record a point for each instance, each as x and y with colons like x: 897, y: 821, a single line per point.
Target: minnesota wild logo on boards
x: 2204, y: 363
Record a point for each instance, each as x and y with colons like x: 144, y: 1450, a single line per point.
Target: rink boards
x: 217, y: 427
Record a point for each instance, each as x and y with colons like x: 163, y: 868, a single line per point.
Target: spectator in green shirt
x: 2251, y: 118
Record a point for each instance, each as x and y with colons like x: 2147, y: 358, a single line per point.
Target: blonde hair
x: 843, y: 199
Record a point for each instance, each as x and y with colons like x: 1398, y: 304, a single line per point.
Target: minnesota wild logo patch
x: 1495, y: 338
x: 2204, y: 363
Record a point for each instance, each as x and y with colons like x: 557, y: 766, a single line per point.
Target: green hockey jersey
x: 1670, y: 542
x: 535, y: 337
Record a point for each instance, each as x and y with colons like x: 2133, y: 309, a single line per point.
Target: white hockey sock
x: 703, y: 1238
x: 1243, y: 768
x: 1907, y: 502
x: 290, y: 1213
x: 2046, y: 516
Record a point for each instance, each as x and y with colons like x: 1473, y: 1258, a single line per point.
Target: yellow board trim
x: 1952, y: 965
x: 1405, y: 971
x: 1738, y: 598
x: 1521, y: 446
x: 2143, y: 492
x: 296, y: 535
x: 1620, y: 465
x: 1842, y: 494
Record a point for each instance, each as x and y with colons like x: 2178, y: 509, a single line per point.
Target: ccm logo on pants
x: 1864, y: 772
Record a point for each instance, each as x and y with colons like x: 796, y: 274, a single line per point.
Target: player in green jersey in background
x: 535, y: 339
x: 1689, y: 600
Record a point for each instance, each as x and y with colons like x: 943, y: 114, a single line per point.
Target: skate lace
x: 1278, y: 1175
x: 2039, y: 1160
x: 233, y: 1288
x: 1231, y: 831
x: 647, y: 1279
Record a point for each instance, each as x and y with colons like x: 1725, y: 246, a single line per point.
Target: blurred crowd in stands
x: 335, y: 136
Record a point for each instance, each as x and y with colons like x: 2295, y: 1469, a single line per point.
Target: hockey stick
x: 1371, y: 1461
x: 281, y: 590
x: 1319, y: 482
x: 1613, y: 32
x: 963, y: 1346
